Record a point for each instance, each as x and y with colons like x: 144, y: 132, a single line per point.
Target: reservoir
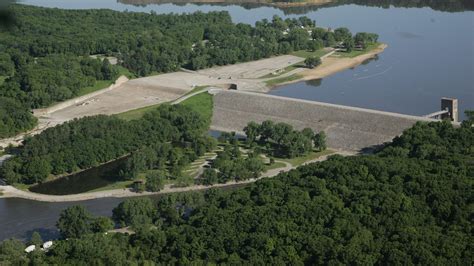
x: 430, y: 55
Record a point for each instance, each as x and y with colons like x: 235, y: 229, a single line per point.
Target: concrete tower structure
x: 451, y: 105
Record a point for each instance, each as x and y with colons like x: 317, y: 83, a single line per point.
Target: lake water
x: 430, y: 55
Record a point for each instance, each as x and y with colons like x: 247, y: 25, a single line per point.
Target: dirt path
x: 12, y: 192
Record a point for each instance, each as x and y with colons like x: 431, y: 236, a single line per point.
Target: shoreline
x: 331, y: 65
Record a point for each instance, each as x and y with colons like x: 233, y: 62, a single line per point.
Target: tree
x: 469, y: 122
x: 209, y: 177
x: 126, y: 211
x: 266, y: 130
x: 320, y: 141
x: 36, y: 239
x: 308, y: 132
x: 12, y: 252
x: 349, y: 44
x: 7, y: 67
x: 155, y: 181
x: 312, y: 62
x: 102, y: 224
x: 342, y: 34
x: 74, y: 222
x: 252, y: 131
x: 37, y: 170
x: 315, y: 45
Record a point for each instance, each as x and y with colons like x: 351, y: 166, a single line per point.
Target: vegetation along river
x: 430, y: 55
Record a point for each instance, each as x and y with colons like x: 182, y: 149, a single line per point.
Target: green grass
x: 2, y: 79
x: 276, y: 81
x: 116, y: 185
x: 285, y: 70
x: 306, y: 53
x: 196, y: 89
x: 24, y: 187
x: 310, y: 156
x: 202, y: 104
x: 136, y: 113
x: 355, y: 53
x: 125, y: 72
x: 99, y: 84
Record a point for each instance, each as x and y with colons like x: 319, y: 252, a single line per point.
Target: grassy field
x: 201, y: 103
x: 23, y: 187
x: 136, y: 113
x: 125, y: 72
x: 306, y: 53
x: 311, y: 156
x: 285, y: 70
x: 276, y: 81
x: 99, y: 84
x: 355, y: 53
x: 196, y: 89
x: 116, y: 185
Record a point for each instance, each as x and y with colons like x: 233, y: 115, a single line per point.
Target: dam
x: 347, y: 128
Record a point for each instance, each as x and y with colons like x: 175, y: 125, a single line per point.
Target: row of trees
x: 90, y: 141
x: 285, y: 141
x: 398, y: 206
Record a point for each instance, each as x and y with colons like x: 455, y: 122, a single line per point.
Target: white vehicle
x: 48, y: 244
x: 30, y: 248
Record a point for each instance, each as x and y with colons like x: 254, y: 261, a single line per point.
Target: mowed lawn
x: 306, y: 53
x: 202, y: 104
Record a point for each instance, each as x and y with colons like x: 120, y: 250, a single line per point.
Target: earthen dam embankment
x: 347, y: 128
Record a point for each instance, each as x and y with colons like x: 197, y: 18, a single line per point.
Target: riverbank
x: 12, y: 192
x: 330, y: 65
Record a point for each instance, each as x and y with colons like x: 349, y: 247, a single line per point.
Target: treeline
x: 399, y: 206
x: 90, y: 141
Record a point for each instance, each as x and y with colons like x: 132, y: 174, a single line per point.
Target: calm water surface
x: 430, y: 55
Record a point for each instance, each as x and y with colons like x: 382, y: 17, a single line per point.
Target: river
x: 430, y: 55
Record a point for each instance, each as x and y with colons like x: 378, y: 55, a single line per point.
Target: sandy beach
x: 333, y: 64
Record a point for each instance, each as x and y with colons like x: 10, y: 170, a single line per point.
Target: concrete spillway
x: 347, y: 128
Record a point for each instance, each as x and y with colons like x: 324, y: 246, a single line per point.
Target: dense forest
x: 410, y: 203
x: 90, y: 141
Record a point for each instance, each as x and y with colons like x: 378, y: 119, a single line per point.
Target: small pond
x: 84, y: 181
